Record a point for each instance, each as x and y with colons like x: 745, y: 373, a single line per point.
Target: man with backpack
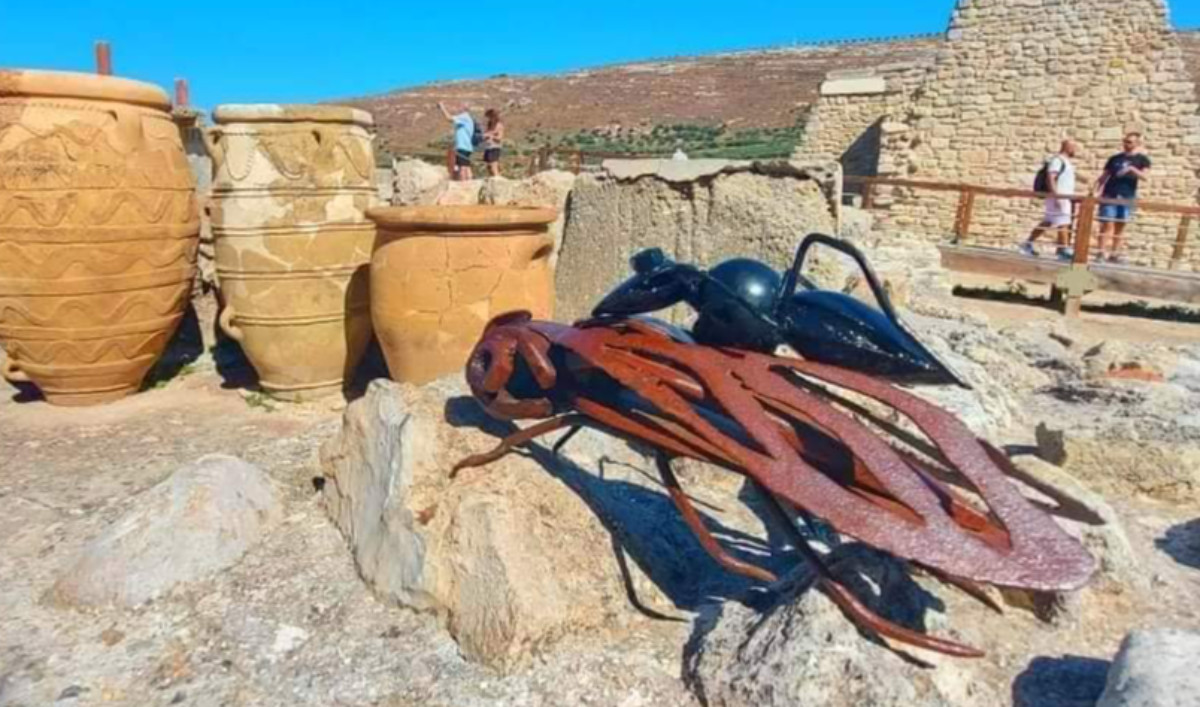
x: 1057, y: 176
x: 466, y: 137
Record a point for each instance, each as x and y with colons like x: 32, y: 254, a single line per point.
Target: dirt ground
x: 1094, y: 323
x: 292, y: 624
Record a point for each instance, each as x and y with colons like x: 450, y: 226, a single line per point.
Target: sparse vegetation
x: 697, y: 140
x: 260, y: 401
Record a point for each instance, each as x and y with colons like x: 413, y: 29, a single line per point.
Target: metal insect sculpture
x: 745, y: 304
x: 813, y: 434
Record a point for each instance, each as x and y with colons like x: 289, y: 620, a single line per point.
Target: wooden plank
x: 990, y: 261
x: 1130, y: 280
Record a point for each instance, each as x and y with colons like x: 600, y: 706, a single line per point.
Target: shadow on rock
x: 795, y: 646
x: 1069, y: 681
x: 232, y: 365
x: 1182, y: 543
x: 646, y: 527
x: 371, y: 366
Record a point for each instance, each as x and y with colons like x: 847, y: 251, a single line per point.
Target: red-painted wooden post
x: 181, y: 93
x: 103, y: 58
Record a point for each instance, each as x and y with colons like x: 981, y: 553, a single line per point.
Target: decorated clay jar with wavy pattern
x: 290, y: 188
x: 98, y: 232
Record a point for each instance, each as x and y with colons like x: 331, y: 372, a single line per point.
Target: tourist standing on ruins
x: 493, y: 141
x: 1120, y: 179
x: 1060, y: 179
x: 464, y: 129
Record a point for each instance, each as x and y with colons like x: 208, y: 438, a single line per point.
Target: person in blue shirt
x: 1122, y: 174
x: 464, y: 130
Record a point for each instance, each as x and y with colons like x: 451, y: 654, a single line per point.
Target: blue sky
x: 277, y: 51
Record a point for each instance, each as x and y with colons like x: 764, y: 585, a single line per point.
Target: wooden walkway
x: 1126, y: 279
x: 1071, y: 281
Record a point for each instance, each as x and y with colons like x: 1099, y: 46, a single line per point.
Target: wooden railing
x: 1083, y: 226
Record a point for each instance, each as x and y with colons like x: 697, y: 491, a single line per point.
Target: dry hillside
x: 760, y: 95
x: 746, y: 90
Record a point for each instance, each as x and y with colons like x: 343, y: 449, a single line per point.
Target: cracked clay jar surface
x: 439, y: 274
x: 291, y: 185
x: 99, y: 228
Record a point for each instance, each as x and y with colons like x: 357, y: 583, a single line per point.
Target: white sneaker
x: 1026, y: 248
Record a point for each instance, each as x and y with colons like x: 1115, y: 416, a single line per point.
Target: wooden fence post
x: 182, y: 94
x: 868, y: 201
x: 103, y: 58
x: 962, y: 220
x: 1180, y: 242
x: 1077, y: 280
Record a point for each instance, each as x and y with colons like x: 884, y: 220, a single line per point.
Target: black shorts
x: 491, y: 155
x: 462, y: 159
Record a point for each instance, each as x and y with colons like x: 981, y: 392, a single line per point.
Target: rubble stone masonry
x: 1013, y: 79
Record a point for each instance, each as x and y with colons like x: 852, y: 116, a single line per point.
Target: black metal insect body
x: 743, y: 303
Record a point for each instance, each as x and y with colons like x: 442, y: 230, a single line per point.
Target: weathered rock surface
x: 1155, y: 668
x: 699, y: 216
x: 197, y: 522
x: 550, y: 188
x: 1123, y: 437
x: 416, y: 182
x: 515, y: 555
x: 795, y: 647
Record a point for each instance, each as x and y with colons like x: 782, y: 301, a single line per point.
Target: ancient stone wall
x: 845, y: 122
x: 1013, y: 79
x: 698, y: 211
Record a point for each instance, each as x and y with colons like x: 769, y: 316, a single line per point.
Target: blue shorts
x: 1116, y: 213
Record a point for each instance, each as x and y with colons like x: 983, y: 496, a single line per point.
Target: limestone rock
x: 416, y: 182
x: 984, y: 358
x: 197, y: 522
x: 1123, y: 437
x: 550, y: 188
x: 697, y: 216
x: 1155, y: 668
x: 797, y: 648
x: 514, y: 555
x: 457, y: 193
x: 1117, y: 359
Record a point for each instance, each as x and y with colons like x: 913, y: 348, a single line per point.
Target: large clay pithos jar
x: 290, y: 188
x: 98, y: 232
x: 440, y: 273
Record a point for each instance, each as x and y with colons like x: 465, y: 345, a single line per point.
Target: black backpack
x: 1041, y: 183
x: 477, y: 135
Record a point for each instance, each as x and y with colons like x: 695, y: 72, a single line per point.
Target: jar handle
x: 212, y: 142
x: 231, y: 330
x: 12, y: 373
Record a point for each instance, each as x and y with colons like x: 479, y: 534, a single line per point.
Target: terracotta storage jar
x: 99, y: 228
x: 439, y: 274
x: 291, y: 185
